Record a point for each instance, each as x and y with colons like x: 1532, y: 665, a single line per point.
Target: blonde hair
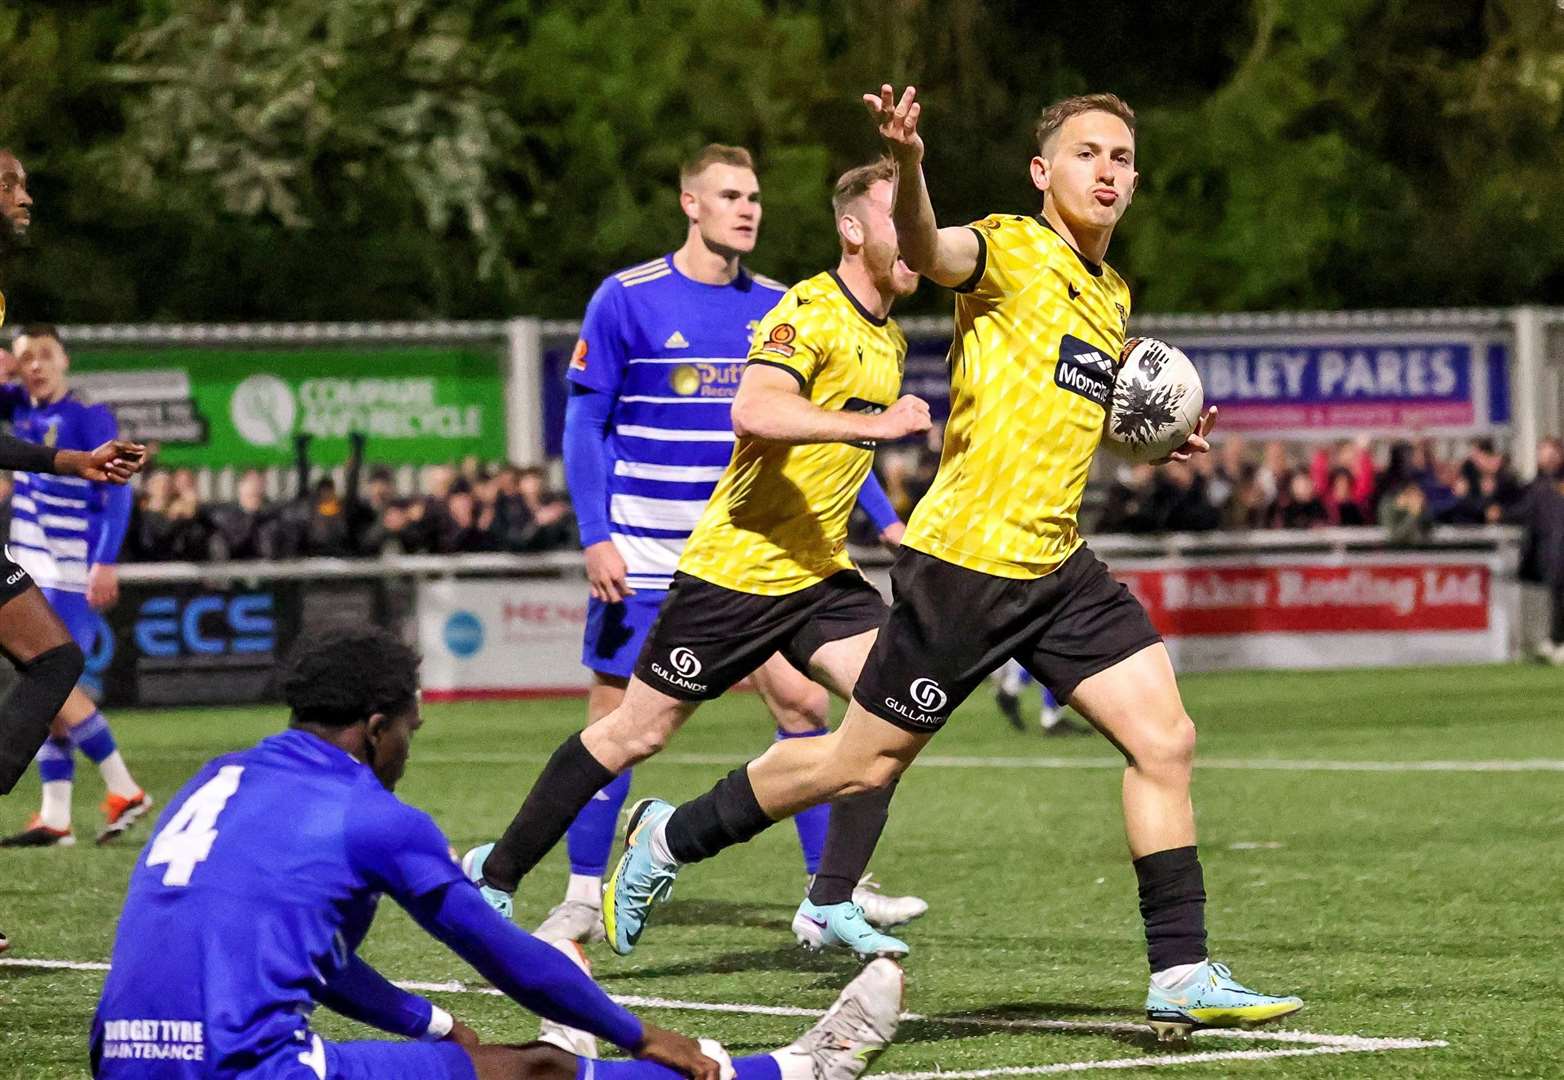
x: 714, y: 154
x: 1053, y: 117
x: 854, y: 184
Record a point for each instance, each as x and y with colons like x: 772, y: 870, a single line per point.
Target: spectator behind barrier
x: 1540, y: 510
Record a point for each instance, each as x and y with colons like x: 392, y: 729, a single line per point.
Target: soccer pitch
x: 1384, y: 843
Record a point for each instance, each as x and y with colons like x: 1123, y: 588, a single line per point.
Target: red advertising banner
x: 1313, y: 599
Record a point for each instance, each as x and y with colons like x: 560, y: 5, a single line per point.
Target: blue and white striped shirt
x: 62, y: 525
x: 670, y: 351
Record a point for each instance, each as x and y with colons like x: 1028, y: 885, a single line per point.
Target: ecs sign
x: 206, y: 624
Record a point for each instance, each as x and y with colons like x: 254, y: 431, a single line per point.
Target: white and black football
x: 1157, y: 399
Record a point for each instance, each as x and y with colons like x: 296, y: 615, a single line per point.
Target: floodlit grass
x: 1418, y: 904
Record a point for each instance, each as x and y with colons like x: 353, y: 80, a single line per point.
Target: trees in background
x: 331, y: 159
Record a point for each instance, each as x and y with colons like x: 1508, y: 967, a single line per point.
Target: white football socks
x: 659, y: 842
x: 1169, y: 978
x: 585, y: 889
x: 55, y: 811
x: 117, y: 777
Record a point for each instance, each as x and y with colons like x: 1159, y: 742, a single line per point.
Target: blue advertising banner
x: 1389, y: 384
x: 1297, y: 385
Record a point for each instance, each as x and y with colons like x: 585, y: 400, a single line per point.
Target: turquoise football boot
x: 843, y: 926
x: 472, y: 866
x: 1211, y: 998
x: 640, y: 881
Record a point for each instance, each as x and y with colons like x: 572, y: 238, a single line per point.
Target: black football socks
x: 29, y: 709
x: 1173, y: 905
x: 728, y: 814
x: 567, y: 783
x: 856, y: 824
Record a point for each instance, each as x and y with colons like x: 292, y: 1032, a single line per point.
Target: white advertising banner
x: 502, y: 637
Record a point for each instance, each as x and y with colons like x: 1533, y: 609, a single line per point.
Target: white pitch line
x: 1316, y: 1040
x: 942, y: 761
x: 1162, y: 1061
x: 952, y: 761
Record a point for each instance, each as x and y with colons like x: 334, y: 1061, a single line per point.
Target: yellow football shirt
x: 1038, y: 335
x: 777, y: 521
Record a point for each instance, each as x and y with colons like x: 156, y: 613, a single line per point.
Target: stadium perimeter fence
x: 496, y: 625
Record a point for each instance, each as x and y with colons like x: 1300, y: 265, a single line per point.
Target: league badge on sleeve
x: 780, y: 340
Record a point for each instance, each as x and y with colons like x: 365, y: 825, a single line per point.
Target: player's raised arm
x: 770, y: 405
x: 946, y: 257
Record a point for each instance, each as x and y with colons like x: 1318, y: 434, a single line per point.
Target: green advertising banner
x: 213, y: 407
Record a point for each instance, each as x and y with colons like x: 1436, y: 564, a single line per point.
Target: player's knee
x: 1166, y: 748
x: 648, y: 738
x: 805, y: 712
x: 871, y: 774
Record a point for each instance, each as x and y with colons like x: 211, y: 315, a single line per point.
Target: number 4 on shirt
x: 187, y: 839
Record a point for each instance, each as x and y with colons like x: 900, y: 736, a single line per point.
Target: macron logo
x: 676, y: 340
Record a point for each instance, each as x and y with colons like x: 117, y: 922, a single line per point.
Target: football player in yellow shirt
x: 992, y: 563
x: 766, y: 569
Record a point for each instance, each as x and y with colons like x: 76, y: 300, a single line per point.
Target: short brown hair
x: 854, y: 184
x: 1055, y: 115
x: 714, y: 154
x: 39, y: 329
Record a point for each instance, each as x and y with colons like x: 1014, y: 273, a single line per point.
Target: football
x: 1157, y: 399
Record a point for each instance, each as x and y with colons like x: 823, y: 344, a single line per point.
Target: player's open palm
x: 909, y: 416
x: 678, y: 1052
x: 897, y: 121
x: 607, y: 573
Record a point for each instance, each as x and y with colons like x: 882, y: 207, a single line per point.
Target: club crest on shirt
x: 51, y: 435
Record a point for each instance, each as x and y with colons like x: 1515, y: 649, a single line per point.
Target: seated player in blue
x: 247, y: 906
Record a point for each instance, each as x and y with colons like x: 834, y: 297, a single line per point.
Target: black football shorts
x: 706, y: 637
x: 950, y: 628
x: 14, y: 581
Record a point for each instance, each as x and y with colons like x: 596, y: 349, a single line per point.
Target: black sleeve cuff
x: 23, y: 456
x: 781, y: 367
x: 982, y: 264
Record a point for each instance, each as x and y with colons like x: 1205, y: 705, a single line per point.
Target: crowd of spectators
x: 456, y: 510
x: 1405, y: 486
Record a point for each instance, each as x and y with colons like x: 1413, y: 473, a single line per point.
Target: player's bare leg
x: 1136, y: 704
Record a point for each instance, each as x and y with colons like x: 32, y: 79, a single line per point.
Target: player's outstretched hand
x: 677, y: 1052
x: 909, y: 416
x: 897, y: 121
x: 115, y: 462
x: 607, y: 573
x: 1196, y: 443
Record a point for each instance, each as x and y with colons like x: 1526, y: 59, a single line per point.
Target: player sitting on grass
x: 246, y: 909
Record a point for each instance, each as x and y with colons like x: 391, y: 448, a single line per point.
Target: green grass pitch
x: 1401, y: 903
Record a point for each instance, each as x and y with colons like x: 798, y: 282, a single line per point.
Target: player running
x: 647, y: 433
x: 246, y: 909
x: 993, y: 565
x: 66, y: 533
x: 766, y: 571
